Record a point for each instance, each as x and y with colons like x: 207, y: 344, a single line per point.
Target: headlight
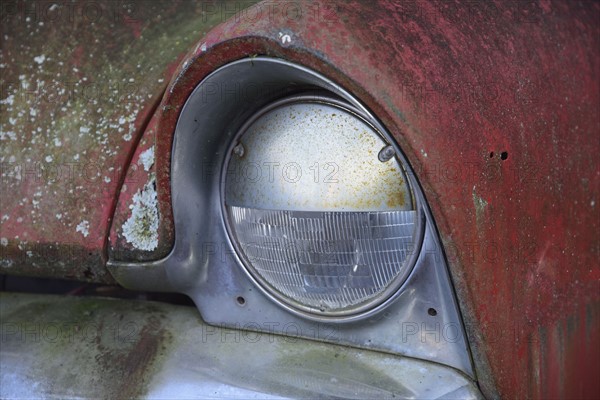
x: 318, y: 206
x: 296, y: 213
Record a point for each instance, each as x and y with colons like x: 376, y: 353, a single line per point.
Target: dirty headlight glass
x: 319, y: 208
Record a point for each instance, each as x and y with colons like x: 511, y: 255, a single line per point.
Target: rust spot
x: 131, y: 366
x: 396, y: 200
x: 141, y: 358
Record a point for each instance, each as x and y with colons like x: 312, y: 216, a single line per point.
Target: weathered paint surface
x: 495, y: 105
x: 69, y: 347
x: 119, y: 248
x: 142, y: 172
x: 79, y: 84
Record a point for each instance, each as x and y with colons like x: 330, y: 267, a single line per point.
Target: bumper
x: 70, y: 347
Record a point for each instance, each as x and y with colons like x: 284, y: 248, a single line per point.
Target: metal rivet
x: 239, y: 150
x: 386, y: 154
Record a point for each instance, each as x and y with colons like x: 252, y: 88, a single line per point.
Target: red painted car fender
x: 495, y: 106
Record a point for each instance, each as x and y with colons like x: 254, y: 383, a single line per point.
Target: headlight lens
x: 318, y: 207
x: 325, y: 260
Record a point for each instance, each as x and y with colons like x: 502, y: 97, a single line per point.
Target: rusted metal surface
x: 69, y: 347
x: 79, y: 83
x: 495, y: 105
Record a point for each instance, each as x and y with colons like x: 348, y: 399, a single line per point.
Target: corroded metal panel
x: 495, y: 105
x: 80, y: 82
x: 109, y: 348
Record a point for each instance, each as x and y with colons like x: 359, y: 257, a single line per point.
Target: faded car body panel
x: 495, y: 105
x: 80, y: 82
x: 133, y: 349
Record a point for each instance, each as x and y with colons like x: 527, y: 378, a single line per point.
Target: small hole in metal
x: 504, y: 155
x: 241, y: 301
x: 492, y: 154
x: 432, y: 312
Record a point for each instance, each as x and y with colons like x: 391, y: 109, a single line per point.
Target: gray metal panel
x: 70, y: 347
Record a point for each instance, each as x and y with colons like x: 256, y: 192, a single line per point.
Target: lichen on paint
x: 147, y: 159
x: 141, y: 228
x: 84, y: 228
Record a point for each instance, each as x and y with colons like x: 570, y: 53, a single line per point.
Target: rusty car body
x: 495, y: 106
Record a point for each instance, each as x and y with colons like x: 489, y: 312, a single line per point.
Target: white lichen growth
x: 147, y: 159
x: 84, y: 228
x: 9, y: 134
x: 141, y: 228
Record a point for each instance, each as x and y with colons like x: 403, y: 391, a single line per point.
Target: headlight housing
x: 352, y: 257
x: 318, y: 206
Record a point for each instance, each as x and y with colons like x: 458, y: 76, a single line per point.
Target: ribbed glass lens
x: 329, y: 261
